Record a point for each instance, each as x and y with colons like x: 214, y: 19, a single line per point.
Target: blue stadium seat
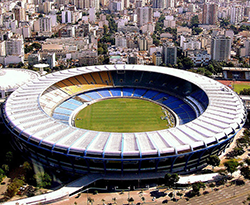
x: 60, y: 117
x: 104, y: 93
x: 93, y: 94
x: 69, y: 105
x: 127, y: 91
x: 61, y: 110
x: 84, y: 97
x: 150, y: 94
x: 116, y: 92
x: 73, y: 101
x: 139, y: 92
x: 161, y: 95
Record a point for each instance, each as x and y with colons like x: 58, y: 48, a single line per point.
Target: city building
x: 67, y: 16
x: 157, y: 58
x: 237, y: 12
x: 19, y: 13
x: 144, y: 15
x: 169, y: 53
x: 120, y: 41
x: 199, y: 57
x: 210, y: 14
x: 220, y: 48
x: 43, y: 25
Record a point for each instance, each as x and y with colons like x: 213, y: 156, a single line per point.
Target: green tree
x: 224, y: 22
x: 231, y: 165
x: 234, y: 28
x: 197, y: 186
x: 213, y: 160
x: 13, y: 187
x: 194, y: 21
x: 100, y: 50
x: 43, y: 179
x: 204, y: 71
x: 171, y: 179
x: 2, y: 175
x: 245, y: 171
x: 105, y: 29
x: 187, y: 63
x: 5, y: 168
x: 196, y: 30
x: 9, y: 157
x: 36, y: 45
x: 245, y: 91
x: 237, y: 151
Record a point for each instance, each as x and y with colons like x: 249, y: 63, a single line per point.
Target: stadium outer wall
x: 180, y: 161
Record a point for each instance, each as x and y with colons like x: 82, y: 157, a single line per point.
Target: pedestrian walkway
x: 60, y: 194
x: 230, y: 195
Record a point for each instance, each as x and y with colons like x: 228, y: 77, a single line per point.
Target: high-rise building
x: 94, y: 4
x: 237, y: 13
x: 157, y: 58
x: 60, y: 2
x: 169, y: 52
x: 81, y: 4
x: 120, y: 41
x: 43, y: 24
x: 169, y: 3
x: 92, y: 16
x: 158, y: 4
x: 15, y: 45
x: 220, y: 48
x: 210, y: 13
x: 67, y: 16
x: 19, y: 13
x: 144, y: 15
x: 47, y: 7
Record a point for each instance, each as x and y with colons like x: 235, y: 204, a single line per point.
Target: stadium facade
x: 41, y: 115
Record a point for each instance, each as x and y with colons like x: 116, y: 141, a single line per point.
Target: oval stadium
x: 203, y: 116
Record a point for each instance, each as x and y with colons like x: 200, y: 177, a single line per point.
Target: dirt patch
x: 230, y: 82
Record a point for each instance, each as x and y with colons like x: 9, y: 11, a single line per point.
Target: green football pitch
x: 122, y: 115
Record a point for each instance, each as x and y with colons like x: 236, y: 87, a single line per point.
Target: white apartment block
x: 237, y: 13
x: 15, y: 45
x: 191, y: 45
x: 2, y: 48
x: 120, y: 41
x: 67, y: 16
x: 43, y: 24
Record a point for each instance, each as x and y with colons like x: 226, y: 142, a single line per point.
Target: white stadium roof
x: 13, y: 78
x: 224, y: 115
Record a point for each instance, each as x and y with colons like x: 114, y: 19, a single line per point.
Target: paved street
x: 231, y: 195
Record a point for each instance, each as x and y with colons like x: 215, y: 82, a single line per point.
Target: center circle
x: 124, y: 115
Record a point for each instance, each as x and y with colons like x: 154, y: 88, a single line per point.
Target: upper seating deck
x: 81, y: 83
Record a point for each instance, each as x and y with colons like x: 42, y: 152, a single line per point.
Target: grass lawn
x: 241, y: 86
x: 122, y: 115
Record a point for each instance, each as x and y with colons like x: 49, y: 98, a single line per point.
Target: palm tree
x: 103, y: 201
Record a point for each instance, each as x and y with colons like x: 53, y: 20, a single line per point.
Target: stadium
x: 203, y: 117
